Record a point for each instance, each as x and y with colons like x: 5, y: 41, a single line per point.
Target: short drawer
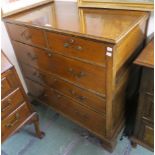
x: 11, y: 102
x: 78, y: 113
x: 83, y: 74
x: 77, y: 47
x: 86, y: 98
x: 146, y: 133
x: 27, y: 35
x: 147, y: 81
x: 9, y: 82
x: 13, y: 121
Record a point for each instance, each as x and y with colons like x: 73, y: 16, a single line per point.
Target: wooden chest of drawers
x: 15, y: 108
x: 79, y: 66
x: 144, y: 126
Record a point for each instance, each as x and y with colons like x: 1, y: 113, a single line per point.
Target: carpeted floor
x: 63, y: 137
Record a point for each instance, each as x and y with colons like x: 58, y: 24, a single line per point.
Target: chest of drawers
x: 16, y: 110
x: 144, y: 126
x: 77, y: 61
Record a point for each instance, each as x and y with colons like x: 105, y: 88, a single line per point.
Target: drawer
x: 27, y: 35
x: 83, y: 74
x: 11, y: 102
x: 148, y: 111
x: 86, y: 98
x: 9, y: 82
x: 13, y: 121
x: 77, y: 47
x: 146, y: 133
x: 147, y: 81
x: 68, y: 107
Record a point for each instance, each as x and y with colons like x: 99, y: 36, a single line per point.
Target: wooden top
x: 146, y: 58
x: 5, y: 63
x: 102, y: 24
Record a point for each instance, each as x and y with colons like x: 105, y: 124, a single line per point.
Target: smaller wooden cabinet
x: 144, y: 127
x: 16, y: 110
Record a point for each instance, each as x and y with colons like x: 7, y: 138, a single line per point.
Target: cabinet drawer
x: 147, y: 112
x: 147, y: 82
x: 27, y: 35
x: 145, y: 132
x: 69, y: 108
x: 77, y: 47
x: 9, y: 82
x: 83, y: 74
x: 11, y: 102
x: 86, y: 98
x: 11, y: 123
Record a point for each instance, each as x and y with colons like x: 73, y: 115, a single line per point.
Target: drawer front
x: 86, y: 98
x: 77, y: 47
x: 27, y: 35
x: 147, y: 82
x: 145, y: 132
x: 11, y: 123
x: 147, y: 101
x: 69, y: 108
x: 83, y: 74
x: 11, y: 102
x: 9, y: 82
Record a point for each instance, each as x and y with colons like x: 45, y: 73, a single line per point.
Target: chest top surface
x: 146, y: 58
x: 105, y: 24
x: 5, y: 63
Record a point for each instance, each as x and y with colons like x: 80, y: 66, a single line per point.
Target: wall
x: 8, y: 50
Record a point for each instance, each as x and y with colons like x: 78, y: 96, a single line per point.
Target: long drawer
x: 77, y: 47
x: 13, y: 121
x: 11, y: 102
x: 68, y: 107
x: 86, y: 98
x: 83, y: 74
x: 27, y: 35
x: 8, y: 83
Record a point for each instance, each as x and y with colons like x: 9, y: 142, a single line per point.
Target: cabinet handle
x: 82, y: 98
x: 49, y: 54
x: 9, y: 104
x: 75, y: 74
x: 79, y: 48
x: 66, y: 45
x: 9, y: 125
x: 32, y: 57
x: 26, y: 35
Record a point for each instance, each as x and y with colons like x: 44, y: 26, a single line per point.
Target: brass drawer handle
x: 49, y: 54
x: 9, y: 125
x: 26, y: 35
x: 81, y: 98
x: 79, y: 48
x: 66, y: 45
x: 75, y: 74
x: 9, y: 104
x: 32, y: 57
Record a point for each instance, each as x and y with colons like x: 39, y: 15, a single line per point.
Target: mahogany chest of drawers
x: 144, y: 126
x: 77, y: 61
x: 16, y: 110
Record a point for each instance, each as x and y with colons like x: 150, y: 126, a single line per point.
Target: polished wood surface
x: 147, y: 5
x: 82, y: 96
x: 144, y: 126
x: 84, y: 63
x: 146, y: 58
x: 16, y: 110
x: 102, y: 24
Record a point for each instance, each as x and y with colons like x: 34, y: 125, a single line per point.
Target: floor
x: 63, y: 137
